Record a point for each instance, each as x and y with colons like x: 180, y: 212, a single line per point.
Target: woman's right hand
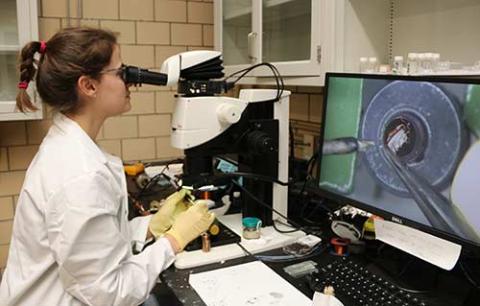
x: 190, y: 224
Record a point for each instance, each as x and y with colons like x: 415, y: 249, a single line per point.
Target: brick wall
x: 148, y: 33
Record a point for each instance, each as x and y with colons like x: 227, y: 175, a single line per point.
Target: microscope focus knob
x: 228, y: 113
x: 260, y: 142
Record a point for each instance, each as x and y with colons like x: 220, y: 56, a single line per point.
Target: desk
x: 451, y: 289
x: 270, y: 240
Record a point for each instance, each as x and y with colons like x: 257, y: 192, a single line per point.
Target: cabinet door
x: 290, y: 36
x: 234, y: 34
x: 285, y: 33
x: 18, y: 25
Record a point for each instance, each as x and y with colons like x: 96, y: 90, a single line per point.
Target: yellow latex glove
x: 191, y: 223
x: 163, y: 219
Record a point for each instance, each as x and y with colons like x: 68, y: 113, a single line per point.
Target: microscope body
x: 255, y: 132
x: 205, y: 125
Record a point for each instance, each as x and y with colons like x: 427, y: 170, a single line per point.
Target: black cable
x: 255, y: 176
x: 395, y: 279
x: 309, y: 177
x: 468, y: 276
x: 251, y: 195
x: 284, y: 231
x: 150, y: 183
x: 318, y: 204
x: 245, y: 250
x: 155, y: 178
x: 278, y: 78
x: 405, y: 268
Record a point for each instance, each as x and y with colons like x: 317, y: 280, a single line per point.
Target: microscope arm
x: 196, y: 120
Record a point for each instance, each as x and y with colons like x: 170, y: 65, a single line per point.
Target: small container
x: 384, y: 69
x: 412, y: 63
x: 421, y: 59
x: 372, y: 65
x: 435, y: 61
x: 398, y: 65
x: 251, y: 227
x: 363, y: 64
x: 428, y: 64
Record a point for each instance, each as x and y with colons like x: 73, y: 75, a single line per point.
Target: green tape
x: 342, y: 120
x: 472, y: 109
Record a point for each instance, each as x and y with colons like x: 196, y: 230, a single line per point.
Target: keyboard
x: 355, y: 285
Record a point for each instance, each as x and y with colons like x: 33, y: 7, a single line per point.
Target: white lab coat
x: 71, y: 241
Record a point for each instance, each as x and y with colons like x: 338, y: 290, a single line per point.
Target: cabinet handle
x: 252, y: 38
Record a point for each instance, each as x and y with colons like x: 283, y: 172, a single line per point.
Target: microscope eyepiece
x: 137, y: 76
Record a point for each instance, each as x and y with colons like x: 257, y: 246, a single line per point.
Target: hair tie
x: 43, y: 47
x: 23, y: 85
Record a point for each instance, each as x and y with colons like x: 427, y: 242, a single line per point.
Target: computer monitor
x: 405, y: 148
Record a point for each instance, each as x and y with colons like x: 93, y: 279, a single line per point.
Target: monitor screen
x: 405, y: 148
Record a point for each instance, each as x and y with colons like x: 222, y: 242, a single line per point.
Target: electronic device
x: 356, y: 285
x: 405, y: 148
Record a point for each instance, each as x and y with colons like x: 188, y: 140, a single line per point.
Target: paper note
x: 434, y: 250
x: 248, y: 284
x: 320, y: 299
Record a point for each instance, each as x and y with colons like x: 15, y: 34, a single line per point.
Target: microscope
x: 253, y: 128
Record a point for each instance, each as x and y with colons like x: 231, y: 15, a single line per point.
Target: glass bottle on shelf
x: 412, y: 63
x: 435, y: 61
x: 372, y: 64
x: 363, y: 65
x: 428, y: 63
x: 421, y: 63
x: 398, y: 65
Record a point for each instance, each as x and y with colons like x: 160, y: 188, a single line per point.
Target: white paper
x: 247, y: 284
x: 434, y: 250
x: 320, y: 299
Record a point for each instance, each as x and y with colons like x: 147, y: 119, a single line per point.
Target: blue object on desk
x: 251, y: 222
x: 251, y: 227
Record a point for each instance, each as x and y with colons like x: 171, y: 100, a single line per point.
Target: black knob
x: 260, y: 143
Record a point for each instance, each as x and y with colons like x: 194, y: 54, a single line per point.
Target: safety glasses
x: 120, y: 72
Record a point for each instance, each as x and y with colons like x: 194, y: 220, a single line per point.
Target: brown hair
x: 69, y: 54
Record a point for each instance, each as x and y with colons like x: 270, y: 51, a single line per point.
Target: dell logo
x: 398, y: 220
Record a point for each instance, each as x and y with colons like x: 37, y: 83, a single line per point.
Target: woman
x: 71, y: 241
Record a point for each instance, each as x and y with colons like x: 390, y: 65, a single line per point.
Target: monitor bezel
x: 343, y: 200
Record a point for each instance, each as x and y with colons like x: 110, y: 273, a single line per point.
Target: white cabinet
x: 387, y: 28
x: 18, y: 25
x: 342, y: 31
x: 282, y: 32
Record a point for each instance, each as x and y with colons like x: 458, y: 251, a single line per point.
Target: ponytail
x: 27, y: 73
x: 71, y: 53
